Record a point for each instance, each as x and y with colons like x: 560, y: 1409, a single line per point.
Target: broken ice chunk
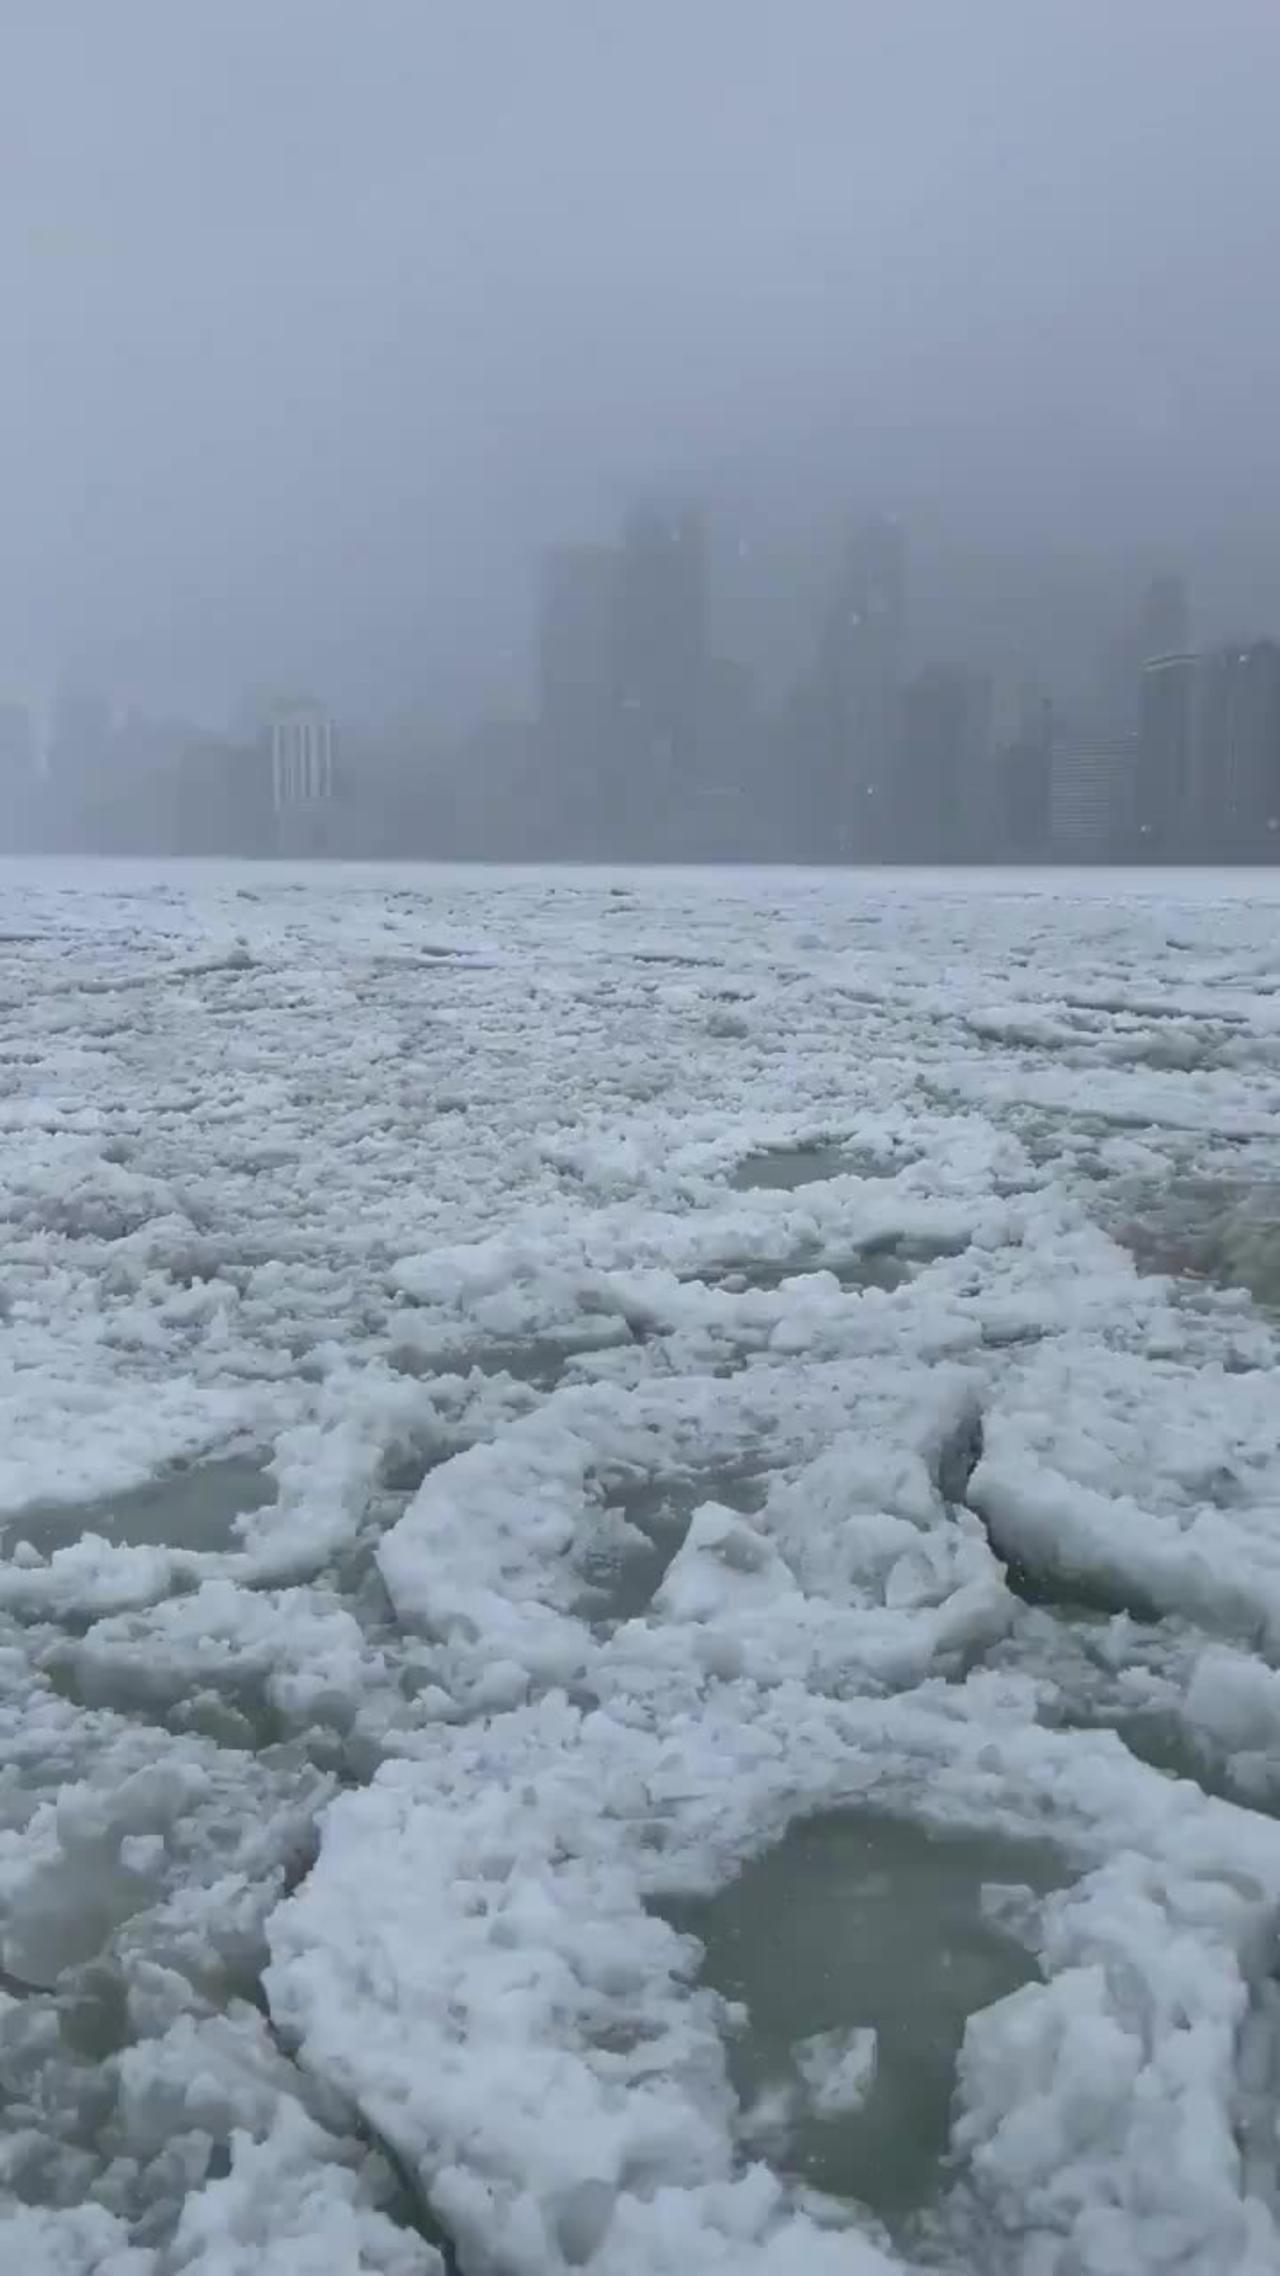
x: 838, y: 2069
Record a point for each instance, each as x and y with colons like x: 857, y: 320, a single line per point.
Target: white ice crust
x: 714, y: 1349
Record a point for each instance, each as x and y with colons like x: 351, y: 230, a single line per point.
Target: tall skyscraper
x: 858, y: 677
x: 625, y: 684
x: 663, y: 610
x: 1168, y: 729
x: 942, y: 802
x: 223, y: 801
x: 1091, y: 797
x: 1023, y: 769
x: 578, y: 702
x: 1159, y: 627
x: 1164, y: 618
x: 1236, y: 770
x: 300, y: 755
x: 577, y: 634
x: 662, y: 669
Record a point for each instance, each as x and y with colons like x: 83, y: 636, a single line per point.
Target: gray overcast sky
x: 321, y: 314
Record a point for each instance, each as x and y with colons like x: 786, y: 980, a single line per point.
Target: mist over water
x: 334, y: 325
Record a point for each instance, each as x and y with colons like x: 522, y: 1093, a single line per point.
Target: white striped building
x: 301, y: 756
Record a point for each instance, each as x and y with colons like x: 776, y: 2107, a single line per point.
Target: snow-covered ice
x: 639, y: 1573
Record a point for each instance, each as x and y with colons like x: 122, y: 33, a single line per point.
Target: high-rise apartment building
x: 1091, y: 797
x: 301, y: 738
x: 1236, y: 772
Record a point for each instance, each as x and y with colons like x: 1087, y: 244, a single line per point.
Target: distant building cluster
x: 644, y: 739
x: 645, y: 742
x: 1206, y: 775
x: 876, y: 757
x: 118, y: 784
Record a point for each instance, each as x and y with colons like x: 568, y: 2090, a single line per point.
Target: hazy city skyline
x: 643, y: 740
x: 330, y: 319
x: 339, y: 334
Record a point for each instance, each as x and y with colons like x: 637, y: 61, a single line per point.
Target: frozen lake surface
x: 639, y: 1573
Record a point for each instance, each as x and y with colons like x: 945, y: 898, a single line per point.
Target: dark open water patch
x: 1102, y: 1673
x: 621, y: 1580
x: 873, y: 1267
x: 782, y: 1169
x: 192, y: 1508
x: 885, y: 1261
x: 538, y: 1361
x: 864, y: 1922
x: 1083, y: 1596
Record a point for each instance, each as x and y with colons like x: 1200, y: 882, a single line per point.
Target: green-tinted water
x: 864, y: 1921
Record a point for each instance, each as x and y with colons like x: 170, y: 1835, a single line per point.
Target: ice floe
x: 639, y: 1574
